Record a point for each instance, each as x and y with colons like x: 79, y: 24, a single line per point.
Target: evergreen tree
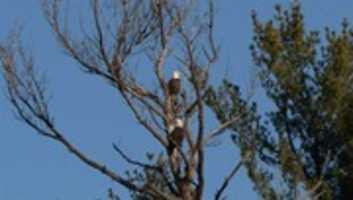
x: 308, y: 78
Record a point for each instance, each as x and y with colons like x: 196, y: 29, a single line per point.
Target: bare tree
x: 163, y: 32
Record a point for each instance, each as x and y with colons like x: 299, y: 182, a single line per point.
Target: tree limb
x: 227, y: 179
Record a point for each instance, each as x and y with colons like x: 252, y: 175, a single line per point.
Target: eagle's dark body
x: 175, y: 139
x: 174, y: 86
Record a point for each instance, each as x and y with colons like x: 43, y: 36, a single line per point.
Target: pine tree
x: 308, y: 78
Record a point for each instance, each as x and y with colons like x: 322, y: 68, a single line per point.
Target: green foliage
x: 309, y: 79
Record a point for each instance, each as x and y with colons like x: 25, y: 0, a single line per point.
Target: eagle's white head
x: 171, y: 128
x: 176, y: 75
x: 179, y: 123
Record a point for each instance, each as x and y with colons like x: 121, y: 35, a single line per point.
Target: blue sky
x: 92, y: 115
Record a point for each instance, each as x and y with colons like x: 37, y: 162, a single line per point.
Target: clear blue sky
x: 90, y: 113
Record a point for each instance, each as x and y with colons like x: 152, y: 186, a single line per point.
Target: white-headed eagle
x: 174, y: 84
x: 174, y: 88
x: 175, y: 138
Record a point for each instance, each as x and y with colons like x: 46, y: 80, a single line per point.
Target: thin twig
x: 219, y: 130
x: 134, y: 162
x: 227, y: 179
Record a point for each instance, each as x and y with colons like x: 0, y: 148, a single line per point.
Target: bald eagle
x: 175, y: 138
x: 174, y: 88
x: 174, y: 84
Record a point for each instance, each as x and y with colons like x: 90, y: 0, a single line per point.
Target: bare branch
x: 227, y: 179
x: 27, y: 95
x: 134, y: 162
x: 94, y: 164
x: 219, y: 130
